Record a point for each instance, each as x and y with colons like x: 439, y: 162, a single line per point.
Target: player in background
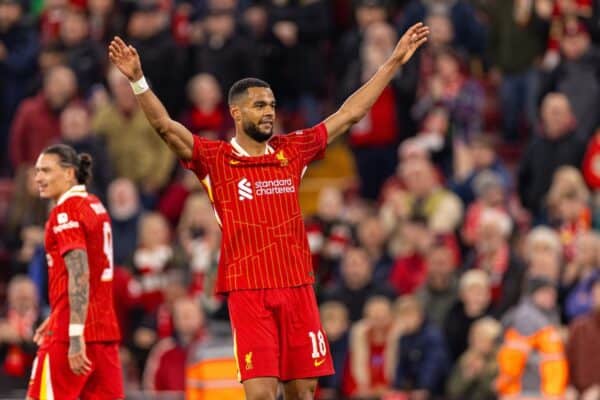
x: 265, y: 264
x: 79, y: 342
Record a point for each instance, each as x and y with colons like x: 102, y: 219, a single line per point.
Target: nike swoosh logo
x: 318, y: 363
x: 234, y: 162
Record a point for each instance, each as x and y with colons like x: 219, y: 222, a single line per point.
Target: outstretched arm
x: 359, y: 103
x: 175, y: 135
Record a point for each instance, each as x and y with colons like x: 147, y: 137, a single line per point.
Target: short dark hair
x: 69, y: 158
x: 241, y: 86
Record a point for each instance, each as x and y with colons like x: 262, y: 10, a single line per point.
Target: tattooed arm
x: 76, y: 262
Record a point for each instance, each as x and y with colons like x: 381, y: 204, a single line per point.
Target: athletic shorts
x: 52, y: 378
x: 278, y: 333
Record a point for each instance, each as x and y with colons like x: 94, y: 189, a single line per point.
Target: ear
x: 70, y: 174
x: 235, y: 113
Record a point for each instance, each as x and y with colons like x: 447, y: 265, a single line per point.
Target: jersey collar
x: 75, y: 191
x: 240, y: 150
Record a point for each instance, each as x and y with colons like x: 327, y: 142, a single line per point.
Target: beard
x: 255, y: 133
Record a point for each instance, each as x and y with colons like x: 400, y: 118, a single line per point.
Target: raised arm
x: 359, y: 103
x: 78, y: 271
x: 176, y: 136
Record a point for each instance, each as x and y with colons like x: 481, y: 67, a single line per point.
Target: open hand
x: 125, y: 58
x: 412, y: 39
x: 78, y: 361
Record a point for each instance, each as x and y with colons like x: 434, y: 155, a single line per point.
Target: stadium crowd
x: 459, y: 260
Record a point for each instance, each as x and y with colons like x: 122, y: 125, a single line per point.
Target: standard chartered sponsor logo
x: 264, y: 188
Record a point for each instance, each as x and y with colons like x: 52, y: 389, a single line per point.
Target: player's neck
x: 251, y: 146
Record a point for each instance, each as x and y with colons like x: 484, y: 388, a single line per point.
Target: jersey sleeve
x: 311, y: 143
x: 203, y: 152
x: 69, y: 230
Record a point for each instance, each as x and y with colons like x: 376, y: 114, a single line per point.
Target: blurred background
x: 453, y: 229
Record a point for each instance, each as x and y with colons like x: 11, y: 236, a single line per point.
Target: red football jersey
x: 80, y: 221
x: 256, y: 203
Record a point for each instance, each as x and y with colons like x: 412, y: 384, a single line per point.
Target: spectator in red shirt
x: 165, y: 368
x: 36, y: 124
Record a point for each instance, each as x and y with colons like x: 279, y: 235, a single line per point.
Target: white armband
x: 139, y: 86
x: 75, y: 329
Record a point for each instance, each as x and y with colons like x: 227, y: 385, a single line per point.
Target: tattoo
x: 79, y: 285
x: 74, y: 345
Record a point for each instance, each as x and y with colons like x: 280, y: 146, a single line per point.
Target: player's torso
x: 89, y: 215
x: 256, y: 202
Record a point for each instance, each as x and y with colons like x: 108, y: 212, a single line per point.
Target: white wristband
x: 139, y: 86
x: 75, y: 329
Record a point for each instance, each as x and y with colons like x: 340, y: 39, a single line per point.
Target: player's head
x: 58, y: 168
x: 252, y: 107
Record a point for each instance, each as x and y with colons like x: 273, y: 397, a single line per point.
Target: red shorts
x: 278, y: 333
x: 52, y: 378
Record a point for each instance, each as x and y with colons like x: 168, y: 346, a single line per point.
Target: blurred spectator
x: 328, y: 233
x: 472, y: 160
x: 356, y: 284
x: 75, y: 131
x: 83, y: 55
x: 104, y: 20
x: 18, y: 320
x: 200, y: 238
x: 568, y: 207
x: 435, y: 138
x: 147, y: 31
x: 370, y: 368
x: 18, y: 52
x: 580, y: 274
x: 474, y: 303
x: 426, y: 196
x: 469, y: 33
x: 207, y: 115
x: 25, y: 219
x: 139, y: 155
x: 578, y: 76
x: 372, y: 237
x: 532, y: 360
x: 165, y: 368
x: 373, y: 138
x: 173, y: 197
x: 582, y: 348
x: 366, y: 13
x: 334, y: 318
x: 451, y: 87
x: 489, y: 192
x: 223, y: 52
x: 557, y: 146
x: 422, y: 362
x: 125, y: 210
x: 518, y: 31
x: 295, y: 63
x: 473, y: 374
x: 543, y: 253
x: 409, y: 271
x: 440, y: 290
x: 51, y: 18
x: 590, y: 169
x: 36, y: 124
x: 493, y: 255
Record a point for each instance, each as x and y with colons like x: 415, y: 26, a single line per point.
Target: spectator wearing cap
x: 556, y: 146
x: 583, y: 348
x: 18, y: 52
x: 471, y: 160
x: 580, y: 274
x: 578, y: 76
x: 474, y: 302
x: 492, y: 253
x: 36, y: 124
x: 532, y: 360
